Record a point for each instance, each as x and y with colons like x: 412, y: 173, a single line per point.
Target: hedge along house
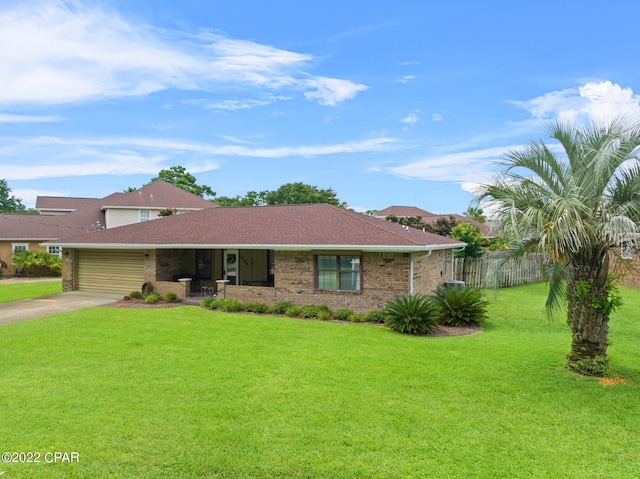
x: 307, y: 254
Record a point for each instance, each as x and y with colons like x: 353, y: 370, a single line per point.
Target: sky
x: 399, y: 102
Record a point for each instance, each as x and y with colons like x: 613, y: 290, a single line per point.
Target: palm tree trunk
x: 588, y: 315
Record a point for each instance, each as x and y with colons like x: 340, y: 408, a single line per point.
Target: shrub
x: 464, y: 306
x: 152, y: 298
x: 230, y: 305
x: 171, y: 297
x: 29, y: 260
x: 214, y: 303
x: 343, y: 314
x: 135, y: 294
x: 254, y: 307
x: 292, y: 311
x: 308, y: 311
x: 411, y: 314
x: 323, y: 315
x: 355, y: 318
x: 375, y: 316
x: 281, y: 307
x: 205, y: 303
x: 325, y: 308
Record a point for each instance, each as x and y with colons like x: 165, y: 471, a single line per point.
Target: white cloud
x: 411, y: 119
x: 11, y: 118
x: 462, y: 167
x: 405, y: 79
x: 599, y: 101
x: 57, y: 51
x: 331, y: 91
x: 123, y: 156
x: 437, y: 117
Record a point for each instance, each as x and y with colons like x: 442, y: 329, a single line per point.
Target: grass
x: 185, y: 392
x: 15, y: 292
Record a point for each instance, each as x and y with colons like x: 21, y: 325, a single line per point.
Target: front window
x: 338, y: 272
x: 144, y: 215
x: 15, y: 247
x: 54, y: 250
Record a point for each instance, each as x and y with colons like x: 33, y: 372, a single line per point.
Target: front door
x: 231, y: 265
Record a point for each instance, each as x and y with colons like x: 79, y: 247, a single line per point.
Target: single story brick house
x: 307, y: 254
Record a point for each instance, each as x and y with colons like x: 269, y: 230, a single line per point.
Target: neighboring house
x: 61, y: 217
x: 307, y: 254
x: 430, y: 218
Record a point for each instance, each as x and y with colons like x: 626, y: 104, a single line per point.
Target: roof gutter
x: 276, y: 247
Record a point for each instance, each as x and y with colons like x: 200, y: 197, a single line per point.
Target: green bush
x: 171, y: 297
x: 230, y: 305
x: 29, y: 260
x: 292, y: 311
x: 356, y: 318
x: 464, y: 306
x: 152, y: 298
x: 281, y: 307
x: 214, y: 303
x: 375, y: 316
x: 411, y: 314
x: 135, y: 294
x: 325, y: 308
x: 254, y: 307
x: 343, y: 314
x: 308, y: 311
x: 323, y: 315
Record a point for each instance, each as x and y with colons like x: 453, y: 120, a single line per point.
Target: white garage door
x: 110, y: 271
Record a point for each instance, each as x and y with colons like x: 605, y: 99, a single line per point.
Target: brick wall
x: 68, y: 268
x: 384, y: 275
x: 431, y: 271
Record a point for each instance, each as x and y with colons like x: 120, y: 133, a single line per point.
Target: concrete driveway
x: 57, y: 303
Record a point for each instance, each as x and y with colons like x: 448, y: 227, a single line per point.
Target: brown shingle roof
x: 158, y: 194
x: 290, y: 226
x: 61, y: 203
x: 403, y: 212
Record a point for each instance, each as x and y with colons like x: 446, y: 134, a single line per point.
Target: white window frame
x: 19, y: 246
x: 57, y: 251
x: 144, y: 217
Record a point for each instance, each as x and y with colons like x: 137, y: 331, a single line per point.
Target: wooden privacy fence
x: 490, y: 271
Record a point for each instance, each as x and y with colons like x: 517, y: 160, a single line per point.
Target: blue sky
x: 387, y: 102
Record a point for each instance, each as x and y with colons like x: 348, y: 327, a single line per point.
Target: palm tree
x: 579, y: 206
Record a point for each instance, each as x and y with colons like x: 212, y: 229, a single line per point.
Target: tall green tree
x: 301, y: 193
x: 8, y: 202
x: 180, y: 177
x: 578, y: 205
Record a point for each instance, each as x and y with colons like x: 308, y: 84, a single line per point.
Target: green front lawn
x: 185, y: 392
x: 15, y: 292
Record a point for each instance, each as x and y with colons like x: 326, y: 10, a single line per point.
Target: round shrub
x: 254, y: 307
x: 206, y: 303
x: 215, y: 303
x: 230, y: 305
x: 343, y: 314
x: 135, y: 294
x: 464, y: 306
x: 152, y: 298
x: 323, y: 315
x: 356, y: 318
x: 171, y: 297
x: 375, y: 316
x: 308, y: 311
x: 281, y: 307
x: 411, y: 314
x: 292, y: 311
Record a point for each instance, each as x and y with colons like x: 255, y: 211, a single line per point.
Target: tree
x: 471, y: 235
x: 180, y: 177
x: 579, y: 207
x: 8, y: 202
x: 300, y: 193
x: 475, y: 213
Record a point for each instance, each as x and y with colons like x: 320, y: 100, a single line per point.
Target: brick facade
x: 384, y: 275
